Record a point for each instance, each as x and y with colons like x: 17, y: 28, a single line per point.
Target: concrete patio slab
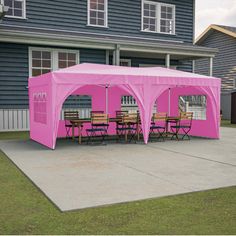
x: 76, y: 177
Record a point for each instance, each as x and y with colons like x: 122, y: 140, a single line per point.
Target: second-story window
x: 16, y: 8
x: 158, y: 17
x: 97, y: 13
x: 150, y: 17
x: 167, y: 21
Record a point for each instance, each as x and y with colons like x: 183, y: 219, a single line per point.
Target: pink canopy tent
x: 48, y: 92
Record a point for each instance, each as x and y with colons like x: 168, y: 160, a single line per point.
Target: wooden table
x: 171, y: 119
x: 127, y: 132
x: 79, y: 123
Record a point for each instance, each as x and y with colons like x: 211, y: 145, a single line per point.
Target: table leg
x: 137, y: 130
x: 73, y: 131
x: 126, y: 135
x: 167, y: 127
x: 79, y: 134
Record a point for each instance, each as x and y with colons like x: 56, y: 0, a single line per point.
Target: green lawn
x: 25, y: 210
x: 14, y: 135
x: 227, y: 123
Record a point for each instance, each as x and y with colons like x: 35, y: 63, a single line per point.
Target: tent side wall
x: 40, y: 107
x: 98, y: 97
x: 200, y: 128
x: 97, y: 94
x: 208, y: 128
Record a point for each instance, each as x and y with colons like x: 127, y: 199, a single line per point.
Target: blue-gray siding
x: 225, y: 60
x: 14, y: 73
x: 124, y: 18
x: 225, y: 103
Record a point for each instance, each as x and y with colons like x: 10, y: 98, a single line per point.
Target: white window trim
x: 23, y: 12
x: 126, y: 60
x: 158, y: 14
x: 54, y: 53
x: 105, y: 12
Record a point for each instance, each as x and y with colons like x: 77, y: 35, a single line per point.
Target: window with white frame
x: 194, y: 103
x: 128, y: 103
x: 41, y: 62
x: 158, y: 17
x: 150, y: 16
x: 97, y: 13
x: 167, y: 19
x: 16, y: 8
x: 44, y: 60
x: 66, y: 59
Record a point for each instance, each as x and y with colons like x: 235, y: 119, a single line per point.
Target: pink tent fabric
x: 48, y: 92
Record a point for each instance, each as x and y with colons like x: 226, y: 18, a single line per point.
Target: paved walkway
x: 76, y: 177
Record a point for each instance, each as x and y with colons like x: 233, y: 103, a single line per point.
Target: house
x: 38, y: 36
x: 223, y: 38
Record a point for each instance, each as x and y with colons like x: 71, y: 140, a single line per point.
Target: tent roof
x: 87, y: 73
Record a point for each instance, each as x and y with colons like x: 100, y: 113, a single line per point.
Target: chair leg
x: 104, y: 135
x: 186, y: 133
x: 68, y: 132
x: 90, y: 135
x: 120, y: 135
x: 117, y: 136
x: 88, y: 139
x: 133, y: 133
x: 175, y: 133
x: 161, y: 133
x: 132, y: 136
x: 151, y: 135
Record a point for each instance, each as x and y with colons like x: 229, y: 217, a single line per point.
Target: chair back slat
x: 130, y: 118
x: 96, y: 112
x: 186, y: 118
x: 121, y: 113
x: 159, y: 116
x: 99, y: 118
x: 186, y: 115
x: 71, y: 115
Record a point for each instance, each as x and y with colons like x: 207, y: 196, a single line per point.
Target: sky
x: 222, y: 12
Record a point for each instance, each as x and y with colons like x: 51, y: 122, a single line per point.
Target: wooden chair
x: 127, y: 127
x: 99, y: 126
x: 158, y: 126
x: 119, y: 115
x: 184, y: 125
x: 70, y: 115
